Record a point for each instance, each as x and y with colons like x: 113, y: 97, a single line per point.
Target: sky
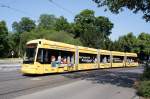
x: 124, y: 22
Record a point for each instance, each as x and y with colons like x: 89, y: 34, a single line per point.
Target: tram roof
x: 87, y: 50
x: 81, y: 48
x: 52, y: 43
x: 33, y: 41
x: 131, y: 54
x: 105, y: 52
x: 117, y: 53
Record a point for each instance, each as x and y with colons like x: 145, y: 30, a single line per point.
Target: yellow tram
x: 44, y: 56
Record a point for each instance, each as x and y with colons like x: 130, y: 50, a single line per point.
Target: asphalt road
x: 84, y: 90
x: 95, y: 84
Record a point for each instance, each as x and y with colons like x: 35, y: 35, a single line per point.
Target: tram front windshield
x: 30, y: 54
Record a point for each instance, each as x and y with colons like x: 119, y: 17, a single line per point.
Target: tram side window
x: 87, y: 58
x: 118, y: 59
x: 131, y: 59
x: 48, y: 56
x: 105, y: 58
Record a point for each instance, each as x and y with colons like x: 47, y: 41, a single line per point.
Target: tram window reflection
x: 87, y: 58
x: 55, y: 57
x: 118, y: 59
x: 105, y: 58
x: 131, y: 59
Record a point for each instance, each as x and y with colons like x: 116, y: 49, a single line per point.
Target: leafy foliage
x: 92, y: 31
x: 62, y: 24
x: 144, y: 85
x: 144, y: 89
x: 146, y: 73
x: 3, y: 28
x: 50, y: 35
x: 127, y: 42
x: 144, y: 42
x: 25, y: 25
x: 116, y: 6
x: 87, y: 30
x: 4, y: 47
x: 131, y: 43
x: 47, y: 21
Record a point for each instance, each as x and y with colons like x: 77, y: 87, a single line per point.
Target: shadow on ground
x: 123, y: 79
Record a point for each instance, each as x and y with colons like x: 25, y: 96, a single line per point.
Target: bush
x: 144, y: 85
x: 146, y: 73
x: 53, y: 35
x: 144, y: 88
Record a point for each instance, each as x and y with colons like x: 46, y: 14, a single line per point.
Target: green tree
x: 4, y: 47
x: 131, y: 43
x: 127, y: 43
x: 47, y: 21
x: 62, y: 24
x: 144, y: 44
x: 50, y: 35
x: 3, y: 28
x: 116, y: 46
x: 116, y: 6
x: 24, y: 25
x: 93, y: 31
